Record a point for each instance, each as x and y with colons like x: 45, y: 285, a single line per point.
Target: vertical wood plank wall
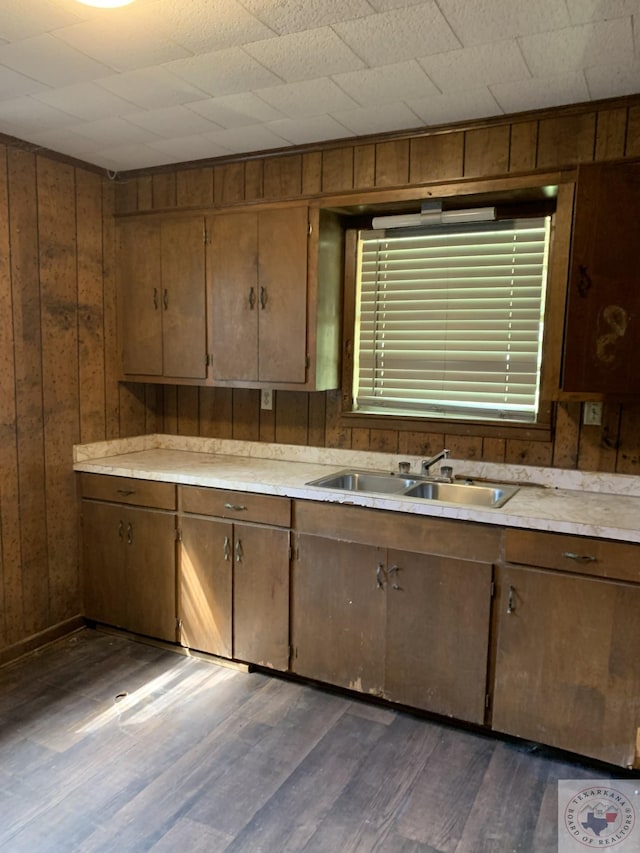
x: 546, y: 141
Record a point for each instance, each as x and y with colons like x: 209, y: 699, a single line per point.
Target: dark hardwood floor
x: 196, y: 757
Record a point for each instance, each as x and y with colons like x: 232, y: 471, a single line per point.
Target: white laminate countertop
x: 588, y: 504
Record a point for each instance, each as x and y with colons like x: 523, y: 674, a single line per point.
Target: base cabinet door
x: 261, y: 596
x: 437, y: 634
x: 206, y: 583
x: 338, y: 613
x: 105, y: 578
x: 567, y: 669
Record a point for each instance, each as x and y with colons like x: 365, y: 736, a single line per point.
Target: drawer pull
x: 235, y: 507
x: 579, y: 558
x: 126, y: 492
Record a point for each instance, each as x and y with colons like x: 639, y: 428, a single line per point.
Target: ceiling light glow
x: 106, y: 4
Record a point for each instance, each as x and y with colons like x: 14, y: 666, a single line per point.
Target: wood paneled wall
x: 541, y: 142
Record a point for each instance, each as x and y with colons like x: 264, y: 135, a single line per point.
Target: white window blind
x: 449, y: 320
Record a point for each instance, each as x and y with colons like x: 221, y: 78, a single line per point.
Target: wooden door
x: 437, y: 634
x: 567, y: 664
x: 205, y: 586
x: 184, y: 329
x: 151, y: 573
x: 232, y: 262
x: 603, y: 313
x: 261, y: 596
x: 140, y: 297
x: 104, y: 573
x: 338, y: 613
x: 282, y: 280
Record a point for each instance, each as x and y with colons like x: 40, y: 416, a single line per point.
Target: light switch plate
x: 266, y: 399
x: 592, y: 414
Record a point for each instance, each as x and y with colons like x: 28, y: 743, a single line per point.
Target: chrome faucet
x: 446, y: 472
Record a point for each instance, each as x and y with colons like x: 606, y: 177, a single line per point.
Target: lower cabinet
x: 567, y: 667
x: 129, y: 564
x: 233, y: 596
x: 407, y: 626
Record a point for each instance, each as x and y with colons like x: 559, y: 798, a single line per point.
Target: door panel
x: 103, y: 561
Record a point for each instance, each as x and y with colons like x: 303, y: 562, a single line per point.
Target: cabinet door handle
x: 393, y: 571
x: 252, y: 298
x: 227, y: 547
x: 239, y: 552
x: 121, y: 531
x: 129, y: 534
x: 155, y: 298
x: 511, y: 601
x: 165, y: 299
x: 579, y: 558
x: 235, y: 507
x: 584, y: 281
x: 380, y: 576
x: 263, y: 298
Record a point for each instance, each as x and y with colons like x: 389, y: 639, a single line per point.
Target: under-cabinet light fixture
x: 433, y: 214
x: 105, y: 4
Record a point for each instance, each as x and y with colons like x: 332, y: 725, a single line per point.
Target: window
x: 449, y: 320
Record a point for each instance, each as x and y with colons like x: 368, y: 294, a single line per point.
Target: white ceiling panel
x: 388, y: 37
x: 165, y: 81
x: 302, y: 56
x: 386, y: 84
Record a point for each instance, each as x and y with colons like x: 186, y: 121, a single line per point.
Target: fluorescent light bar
x: 434, y: 217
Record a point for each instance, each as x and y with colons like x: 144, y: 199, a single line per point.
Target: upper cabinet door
x: 184, y: 313
x: 233, y: 278
x: 140, y: 298
x: 602, y: 332
x: 282, y: 280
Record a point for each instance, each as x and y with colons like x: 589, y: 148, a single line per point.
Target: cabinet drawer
x: 580, y: 554
x: 128, y: 490
x: 241, y: 506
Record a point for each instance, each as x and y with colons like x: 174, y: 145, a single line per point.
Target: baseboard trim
x: 43, y: 638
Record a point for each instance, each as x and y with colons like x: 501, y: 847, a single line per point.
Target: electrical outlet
x: 592, y: 414
x: 266, y: 399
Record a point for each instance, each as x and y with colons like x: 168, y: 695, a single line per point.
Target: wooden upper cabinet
x: 162, y: 301
x: 275, y: 283
x: 602, y: 331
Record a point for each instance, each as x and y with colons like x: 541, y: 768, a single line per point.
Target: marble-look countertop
x: 583, y: 503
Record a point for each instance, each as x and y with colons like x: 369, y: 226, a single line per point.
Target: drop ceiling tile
x: 186, y: 148
x: 41, y: 17
x: 203, y: 26
x: 583, y: 11
x: 173, y: 121
x: 316, y: 129
x: 607, y: 81
x: 389, y: 37
x: 303, y: 56
x: 443, y: 109
x: 293, y: 16
x: 308, y: 98
x: 236, y: 110
x: 541, y: 92
x: 152, y: 88
x: 87, y: 101
x: 224, y: 72
x: 120, y: 158
x: 13, y: 84
x: 65, y: 141
x: 386, y: 84
x: 478, y: 21
x: 123, y: 43
x: 242, y: 139
x: 114, y: 131
x: 477, y: 66
x: 50, y: 61
x: 375, y: 120
x: 574, y: 48
x: 29, y: 114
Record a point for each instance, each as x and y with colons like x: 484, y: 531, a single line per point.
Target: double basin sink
x: 420, y: 488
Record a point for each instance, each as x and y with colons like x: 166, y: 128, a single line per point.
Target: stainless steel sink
x: 366, y: 481
x: 420, y: 488
x: 463, y: 493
